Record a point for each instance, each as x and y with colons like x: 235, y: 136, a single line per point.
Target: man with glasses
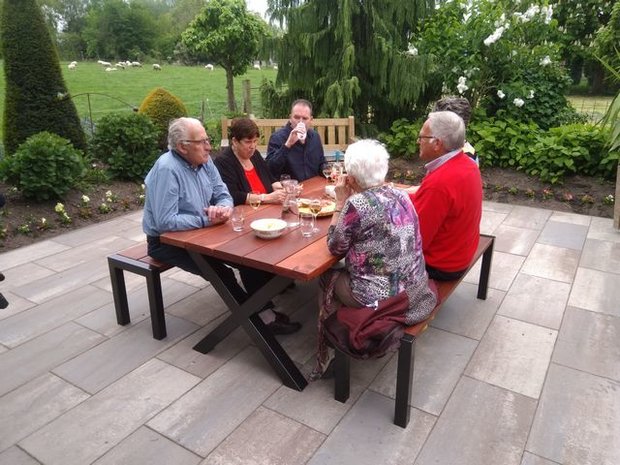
x: 449, y: 200
x: 184, y: 191
x: 295, y: 149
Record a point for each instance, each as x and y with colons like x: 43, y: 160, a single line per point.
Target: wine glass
x: 315, y: 207
x: 255, y: 200
x: 326, y: 169
x: 336, y: 171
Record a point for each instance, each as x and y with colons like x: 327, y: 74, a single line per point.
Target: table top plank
x: 290, y: 255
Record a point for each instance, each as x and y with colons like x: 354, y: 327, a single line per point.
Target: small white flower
x: 462, y: 86
x: 518, y: 102
x: 59, y: 208
x: 85, y: 199
x: 500, y: 94
x: 531, y: 94
x: 43, y: 221
x: 545, y: 61
x: 412, y: 51
x: 495, y: 36
x: 108, y: 194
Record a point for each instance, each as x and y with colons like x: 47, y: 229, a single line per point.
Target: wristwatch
x: 262, y: 197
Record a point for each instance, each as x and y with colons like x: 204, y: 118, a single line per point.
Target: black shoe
x: 280, y: 327
x: 282, y: 317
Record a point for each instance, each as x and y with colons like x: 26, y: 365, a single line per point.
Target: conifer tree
x: 35, y: 89
x: 353, y: 56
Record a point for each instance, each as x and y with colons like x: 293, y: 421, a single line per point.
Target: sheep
x: 275, y: 67
x: 156, y: 67
x: 71, y: 65
x: 120, y: 64
x: 110, y: 68
x: 137, y: 64
x: 209, y: 67
x: 105, y: 64
x: 257, y: 66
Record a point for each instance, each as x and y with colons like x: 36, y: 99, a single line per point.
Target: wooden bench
x: 406, y: 353
x: 136, y: 260
x: 336, y: 133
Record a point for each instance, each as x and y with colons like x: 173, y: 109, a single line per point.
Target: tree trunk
x: 230, y: 87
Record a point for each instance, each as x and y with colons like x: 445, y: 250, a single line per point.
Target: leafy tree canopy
x: 225, y: 33
x: 352, y: 57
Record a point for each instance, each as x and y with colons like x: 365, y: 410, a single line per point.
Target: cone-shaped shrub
x: 35, y: 89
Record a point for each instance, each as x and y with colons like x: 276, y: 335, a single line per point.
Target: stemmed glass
x: 315, y: 207
x: 255, y: 200
x: 337, y: 170
x: 326, y: 169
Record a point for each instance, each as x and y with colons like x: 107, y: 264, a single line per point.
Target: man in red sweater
x: 449, y: 200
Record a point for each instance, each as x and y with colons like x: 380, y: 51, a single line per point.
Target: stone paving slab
x: 148, y: 447
x: 86, y: 432
x: 536, y: 300
x: 38, y: 320
x: 207, y: 414
x: 513, y: 355
x: 502, y: 420
x: 578, y: 419
x: 102, y: 365
x: 367, y: 436
x: 33, y: 405
x: 589, y: 342
x: 440, y: 360
x: 41, y: 354
x: 597, y: 291
x: 267, y: 438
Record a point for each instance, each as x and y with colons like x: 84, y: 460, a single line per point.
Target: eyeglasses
x: 206, y: 141
x: 426, y: 137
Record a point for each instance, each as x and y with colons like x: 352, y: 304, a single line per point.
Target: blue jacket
x: 301, y: 161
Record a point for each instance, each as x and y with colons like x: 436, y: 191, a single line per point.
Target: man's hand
x: 293, y: 137
x: 217, y: 213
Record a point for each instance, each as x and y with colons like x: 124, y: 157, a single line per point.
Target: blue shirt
x: 301, y: 161
x: 177, y: 194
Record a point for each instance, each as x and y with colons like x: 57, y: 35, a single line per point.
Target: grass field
x: 123, y: 89
x: 595, y: 106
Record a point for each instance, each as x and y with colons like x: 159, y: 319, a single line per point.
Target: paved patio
x: 530, y: 376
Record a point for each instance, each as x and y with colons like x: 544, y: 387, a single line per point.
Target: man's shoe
x: 280, y: 327
x: 282, y: 317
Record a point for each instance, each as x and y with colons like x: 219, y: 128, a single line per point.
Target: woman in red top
x: 243, y: 168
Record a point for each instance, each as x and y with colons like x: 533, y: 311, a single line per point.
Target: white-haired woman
x: 375, y: 228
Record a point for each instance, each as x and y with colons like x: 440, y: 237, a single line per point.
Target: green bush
x: 549, y: 155
x: 502, y: 142
x: 162, y: 107
x: 570, y: 149
x: 127, y: 143
x: 46, y: 166
x: 402, y: 140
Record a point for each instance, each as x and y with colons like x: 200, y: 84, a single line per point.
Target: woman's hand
x: 343, y: 190
x: 277, y: 196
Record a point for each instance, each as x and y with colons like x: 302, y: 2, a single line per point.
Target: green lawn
x: 197, y: 87
x: 595, y: 106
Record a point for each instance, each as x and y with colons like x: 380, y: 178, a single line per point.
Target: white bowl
x: 268, y: 228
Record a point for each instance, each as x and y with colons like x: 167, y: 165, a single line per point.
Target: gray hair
x: 178, y: 129
x: 459, y: 105
x: 367, y: 161
x: 448, y: 127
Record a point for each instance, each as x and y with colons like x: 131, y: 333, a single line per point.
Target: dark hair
x: 302, y: 101
x: 458, y: 105
x: 243, y: 128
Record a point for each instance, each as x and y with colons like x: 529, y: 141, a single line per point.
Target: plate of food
x: 327, y: 208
